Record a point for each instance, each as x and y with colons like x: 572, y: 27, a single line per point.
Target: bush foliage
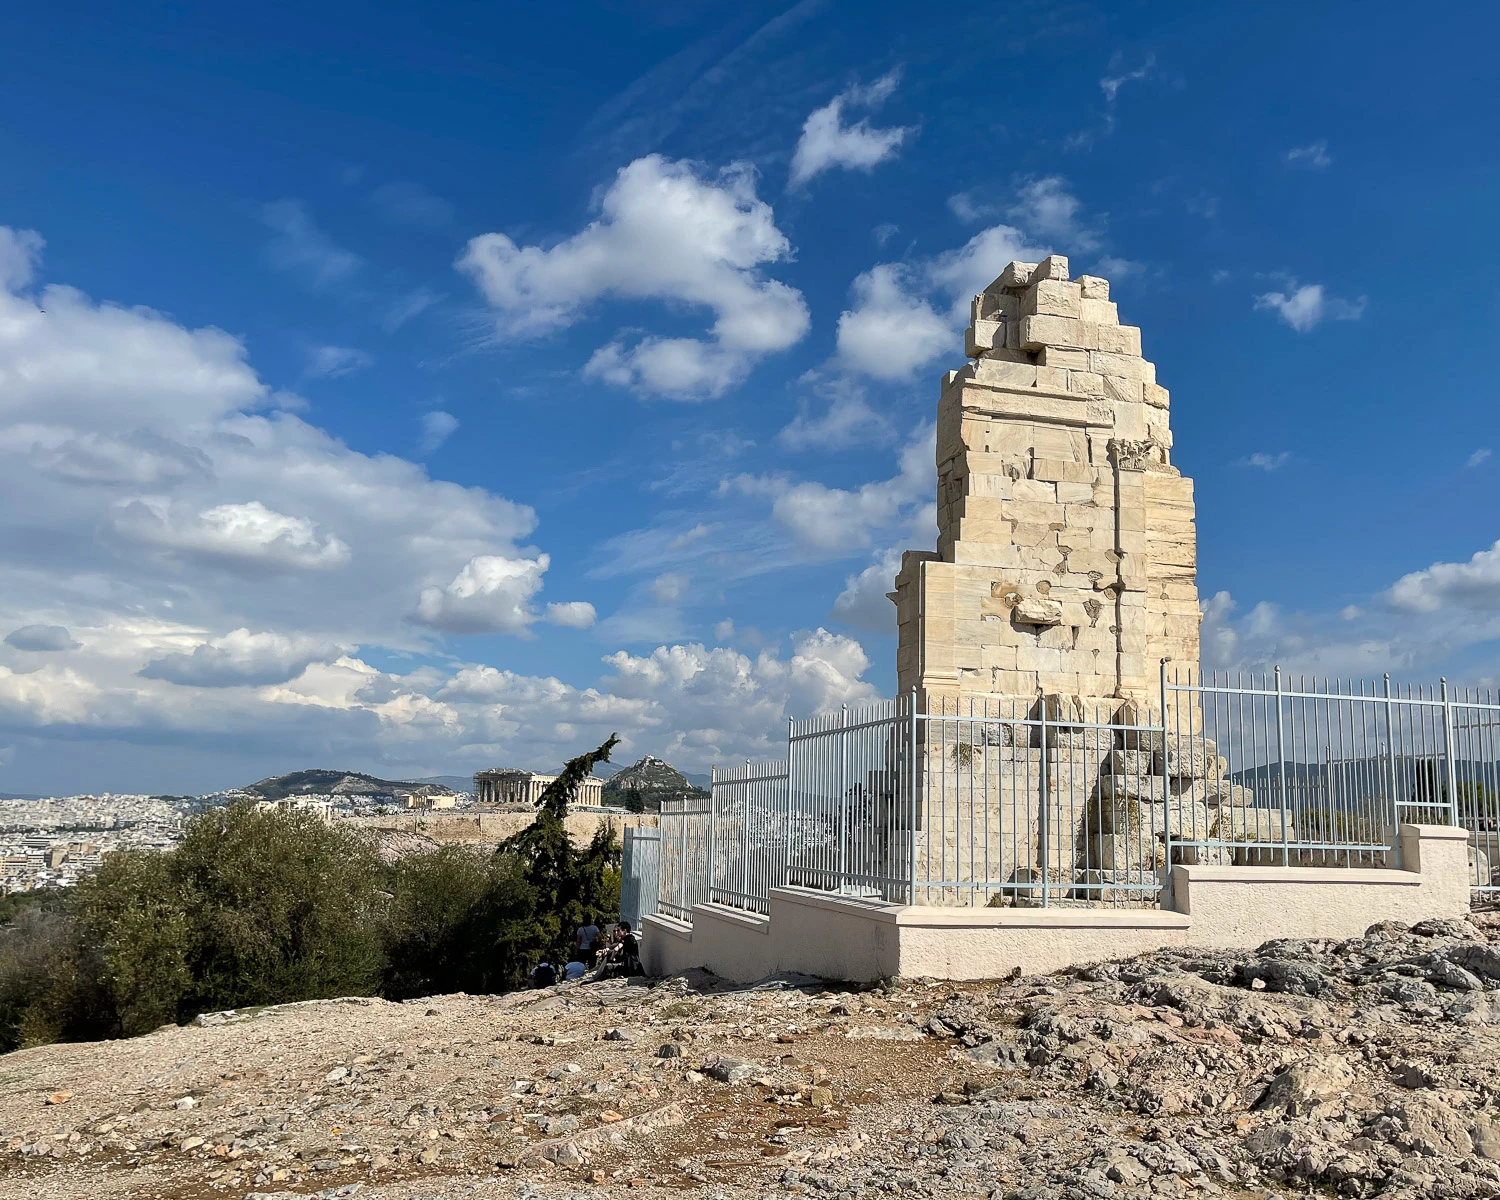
x: 266, y: 907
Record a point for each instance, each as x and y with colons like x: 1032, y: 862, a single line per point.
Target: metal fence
x: 640, y: 875
x: 1057, y: 801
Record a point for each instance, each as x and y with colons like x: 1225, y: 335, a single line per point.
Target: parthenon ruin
x: 1066, y: 553
x: 500, y: 786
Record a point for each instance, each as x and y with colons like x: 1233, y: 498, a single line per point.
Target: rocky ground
x: 1363, y: 1067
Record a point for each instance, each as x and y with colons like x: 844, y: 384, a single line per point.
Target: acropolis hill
x: 1066, y: 545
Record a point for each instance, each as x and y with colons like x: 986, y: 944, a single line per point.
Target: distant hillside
x: 653, y: 781
x: 454, y: 783
x: 340, y: 783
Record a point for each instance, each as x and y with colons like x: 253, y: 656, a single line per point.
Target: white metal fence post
x: 713, y: 841
x: 912, y: 777
x: 841, y: 879
x: 1450, y: 752
x: 1166, y: 791
x: 1044, y: 822
x: 1286, y: 854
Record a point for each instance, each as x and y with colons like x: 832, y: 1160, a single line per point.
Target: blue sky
x: 423, y: 388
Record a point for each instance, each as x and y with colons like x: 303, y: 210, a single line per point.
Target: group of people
x: 613, y: 951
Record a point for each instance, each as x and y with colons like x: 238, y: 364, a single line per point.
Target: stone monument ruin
x: 1067, y: 553
x: 1064, y: 574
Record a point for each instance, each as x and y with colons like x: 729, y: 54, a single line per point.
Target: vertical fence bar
x: 1044, y: 821
x: 1166, y: 791
x: 1450, y: 752
x: 841, y: 880
x: 1286, y: 854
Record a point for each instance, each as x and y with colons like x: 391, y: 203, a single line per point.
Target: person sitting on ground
x: 588, y: 938
x: 630, y: 951
x: 543, y: 975
x: 574, y: 970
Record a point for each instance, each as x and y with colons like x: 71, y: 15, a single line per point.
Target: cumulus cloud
x: 1314, y: 155
x: 848, y: 420
x: 492, y: 594
x: 864, y: 602
x: 665, y: 231
x: 332, y: 362
x: 299, y: 247
x: 904, y: 316
x: 1473, y: 585
x: 889, y: 332
x: 572, y: 614
x: 249, y: 532
x: 241, y: 658
x: 437, y: 428
x: 1047, y: 209
x: 20, y: 252
x: 1306, y: 307
x: 827, y: 142
x: 47, y: 639
x: 844, y: 520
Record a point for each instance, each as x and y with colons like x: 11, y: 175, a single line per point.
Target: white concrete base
x: 839, y: 937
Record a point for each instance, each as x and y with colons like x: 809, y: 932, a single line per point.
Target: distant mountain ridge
x: 318, y: 782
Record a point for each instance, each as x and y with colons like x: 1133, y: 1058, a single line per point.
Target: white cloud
x: 847, y: 421
x: 1475, y: 459
x: 889, y: 332
x: 250, y: 533
x: 572, y: 614
x: 1473, y: 585
x: 665, y: 232
x: 841, y: 520
x: 20, y: 252
x: 46, y: 639
x: 437, y: 428
x: 969, y: 210
x: 301, y: 248
x: 967, y: 271
x: 1314, y: 155
x: 1049, y: 211
x: 492, y: 594
x: 1120, y: 269
x: 1305, y: 307
x: 1266, y: 462
x: 241, y: 658
x: 893, y: 329
x: 332, y: 362
x: 864, y: 602
x: 143, y: 434
x: 669, y: 588
x: 1110, y: 85
x: 827, y: 142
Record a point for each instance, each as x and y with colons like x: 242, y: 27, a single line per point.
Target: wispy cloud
x: 437, y: 428
x: 1476, y: 458
x: 1110, y: 85
x: 406, y: 203
x: 1313, y: 156
x: 1266, y: 462
x: 331, y: 362
x: 413, y: 304
x: 298, y: 246
x: 1307, y: 306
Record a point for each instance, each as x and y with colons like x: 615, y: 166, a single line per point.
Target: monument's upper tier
x: 1066, y: 548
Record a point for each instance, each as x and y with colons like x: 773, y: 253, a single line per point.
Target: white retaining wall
x: 837, y: 937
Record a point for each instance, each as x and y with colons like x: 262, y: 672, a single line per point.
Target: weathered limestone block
x: 1136, y: 850
x: 1187, y: 757
x: 1135, y: 787
x: 1135, y: 763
